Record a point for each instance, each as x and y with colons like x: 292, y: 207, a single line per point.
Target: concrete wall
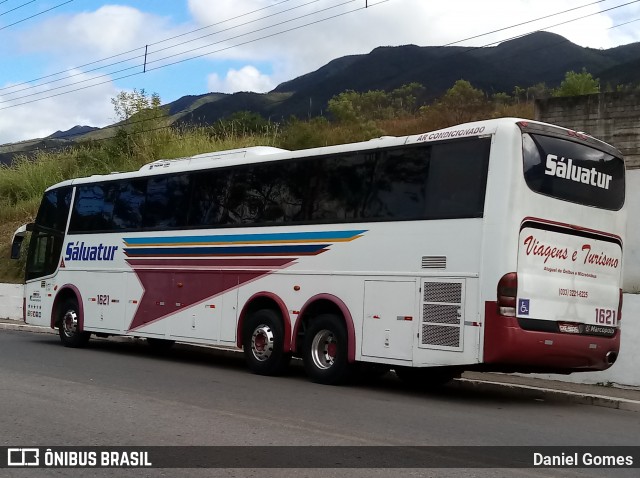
x: 611, y: 117
x: 11, y: 301
x: 632, y: 246
x: 625, y: 371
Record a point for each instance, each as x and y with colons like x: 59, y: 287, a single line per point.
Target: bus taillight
x: 507, y: 292
x: 620, y: 307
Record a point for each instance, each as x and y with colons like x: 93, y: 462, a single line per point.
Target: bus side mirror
x: 16, y: 245
x: 18, y: 237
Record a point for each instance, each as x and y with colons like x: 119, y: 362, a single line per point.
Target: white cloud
x: 41, y: 118
x: 247, y: 78
x: 108, y: 30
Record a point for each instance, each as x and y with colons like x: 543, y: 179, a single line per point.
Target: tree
x: 501, y: 99
x: 353, y: 107
x: 462, y: 102
x: 519, y: 93
x: 537, y: 91
x: 142, y: 119
x: 126, y: 104
x: 575, y: 84
x: 404, y: 99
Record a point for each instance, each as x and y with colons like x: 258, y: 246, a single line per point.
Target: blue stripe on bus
x: 296, y: 249
x: 247, y: 238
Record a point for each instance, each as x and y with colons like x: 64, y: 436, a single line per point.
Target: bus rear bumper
x: 509, y: 346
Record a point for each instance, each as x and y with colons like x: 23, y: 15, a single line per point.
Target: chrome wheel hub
x: 262, y: 341
x: 70, y: 323
x: 324, y: 349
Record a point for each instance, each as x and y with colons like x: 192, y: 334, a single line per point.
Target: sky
x: 62, y: 61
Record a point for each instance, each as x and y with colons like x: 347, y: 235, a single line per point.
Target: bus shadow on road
x: 461, y: 391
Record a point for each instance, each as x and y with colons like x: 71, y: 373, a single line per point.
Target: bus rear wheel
x: 69, y: 325
x: 263, y: 343
x: 325, y: 351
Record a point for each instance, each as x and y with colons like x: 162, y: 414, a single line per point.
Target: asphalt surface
x: 596, y: 395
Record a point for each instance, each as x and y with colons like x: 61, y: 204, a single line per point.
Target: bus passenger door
x: 389, y: 319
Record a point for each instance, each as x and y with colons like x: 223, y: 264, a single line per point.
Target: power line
x: 136, y: 49
x: 16, y: 8
x: 37, y: 14
x: 524, y: 23
x: 188, y: 51
x: 179, y: 54
x: 162, y: 66
x: 191, y: 50
x: 621, y: 24
x: 564, y: 22
x: 142, y: 55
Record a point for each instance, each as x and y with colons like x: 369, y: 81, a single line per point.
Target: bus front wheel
x: 69, y: 326
x: 263, y: 343
x: 325, y: 351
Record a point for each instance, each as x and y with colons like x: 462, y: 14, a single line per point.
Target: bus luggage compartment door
x: 389, y: 319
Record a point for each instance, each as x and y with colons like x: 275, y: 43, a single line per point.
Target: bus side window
x: 167, y: 202
x: 129, y: 204
x: 458, y: 179
x: 88, y: 209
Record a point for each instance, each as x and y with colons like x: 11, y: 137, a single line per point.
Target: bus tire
x: 68, y: 325
x: 325, y: 351
x: 430, y: 378
x: 263, y: 343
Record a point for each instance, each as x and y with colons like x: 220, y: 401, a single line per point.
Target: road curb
x: 545, y: 393
x: 530, y: 391
x: 27, y: 328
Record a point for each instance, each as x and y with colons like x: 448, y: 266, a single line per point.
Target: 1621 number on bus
x: 605, y: 316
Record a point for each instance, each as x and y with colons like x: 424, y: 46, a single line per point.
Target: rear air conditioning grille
x: 434, y: 262
x: 442, y: 321
x: 441, y: 314
x: 441, y: 335
x: 448, y: 292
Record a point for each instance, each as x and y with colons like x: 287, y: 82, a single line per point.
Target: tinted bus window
x: 167, y: 202
x: 458, y: 179
x: 573, y: 172
x: 426, y: 181
x: 129, y: 203
x: 91, y: 210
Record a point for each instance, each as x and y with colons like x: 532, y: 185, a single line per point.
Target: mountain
x: 540, y: 57
x: 73, y: 132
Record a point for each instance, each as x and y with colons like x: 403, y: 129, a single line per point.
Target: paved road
x: 119, y: 393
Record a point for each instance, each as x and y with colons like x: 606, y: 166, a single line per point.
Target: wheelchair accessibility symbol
x: 523, y: 306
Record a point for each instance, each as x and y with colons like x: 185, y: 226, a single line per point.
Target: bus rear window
x: 573, y: 172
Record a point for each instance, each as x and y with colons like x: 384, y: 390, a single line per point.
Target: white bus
x: 493, y: 245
